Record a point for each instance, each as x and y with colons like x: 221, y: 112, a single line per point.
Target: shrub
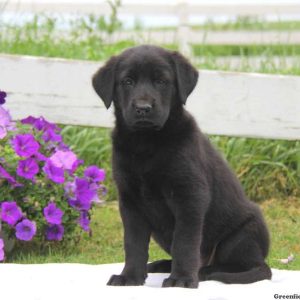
x: 46, y: 192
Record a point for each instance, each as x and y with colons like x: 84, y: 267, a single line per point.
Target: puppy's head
x: 145, y: 83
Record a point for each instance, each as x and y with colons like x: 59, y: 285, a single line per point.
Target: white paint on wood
x: 184, y: 36
x: 58, y: 89
x: 225, y: 103
x: 255, y: 62
x: 247, y: 104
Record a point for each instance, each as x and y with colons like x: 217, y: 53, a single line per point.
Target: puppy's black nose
x: 143, y: 109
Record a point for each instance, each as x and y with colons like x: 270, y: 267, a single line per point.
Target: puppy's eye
x: 127, y: 81
x: 160, y: 81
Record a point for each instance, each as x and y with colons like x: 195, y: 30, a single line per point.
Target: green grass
x: 246, y: 50
x: 266, y: 168
x: 106, y: 243
x: 91, y: 48
x: 267, y: 65
x: 283, y: 219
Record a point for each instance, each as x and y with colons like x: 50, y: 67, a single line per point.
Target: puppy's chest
x: 155, y: 202
x: 148, y: 176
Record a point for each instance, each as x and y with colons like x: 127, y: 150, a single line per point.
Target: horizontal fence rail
x: 237, y: 37
x: 223, y: 103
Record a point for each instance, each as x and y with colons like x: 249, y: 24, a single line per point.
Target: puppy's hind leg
x: 239, y: 259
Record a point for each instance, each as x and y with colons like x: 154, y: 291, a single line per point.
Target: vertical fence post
x: 183, y: 28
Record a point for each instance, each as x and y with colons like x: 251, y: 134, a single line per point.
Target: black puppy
x: 172, y: 183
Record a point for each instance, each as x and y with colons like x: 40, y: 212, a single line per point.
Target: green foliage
x: 41, y: 37
x: 114, y: 23
x: 93, y: 145
x: 93, y: 25
x: 265, y: 65
x: 266, y: 168
x: 34, y: 194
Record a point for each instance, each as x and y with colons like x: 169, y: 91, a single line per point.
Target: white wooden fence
x: 182, y: 10
x: 225, y: 103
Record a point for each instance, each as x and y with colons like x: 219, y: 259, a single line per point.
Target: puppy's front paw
x: 183, y: 283
x: 121, y: 280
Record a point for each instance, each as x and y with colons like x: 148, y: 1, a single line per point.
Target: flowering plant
x: 46, y: 193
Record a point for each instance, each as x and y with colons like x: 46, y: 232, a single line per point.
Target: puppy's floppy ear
x: 104, y: 81
x: 186, y: 76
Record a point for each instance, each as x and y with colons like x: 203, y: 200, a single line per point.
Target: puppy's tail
x: 160, y: 266
x: 256, y: 274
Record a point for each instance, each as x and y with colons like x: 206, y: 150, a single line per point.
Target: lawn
x: 106, y: 243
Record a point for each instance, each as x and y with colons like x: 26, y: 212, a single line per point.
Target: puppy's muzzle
x: 143, y: 110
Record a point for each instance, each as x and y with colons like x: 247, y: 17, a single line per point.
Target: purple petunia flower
x: 63, y: 147
x: 25, y: 230
x: 80, y: 204
x: 84, y: 221
x: 63, y: 159
x: 4, y: 174
x: 1, y: 250
x: 54, y: 173
x: 25, y: 145
x: 51, y: 136
x: 76, y: 164
x: 40, y: 123
x: 83, y: 190
x: 43, y: 125
x: 82, y: 195
x: 94, y: 174
x: 10, y: 213
x: 6, y: 123
x: 5, y: 117
x: 53, y: 214
x: 27, y: 168
x: 29, y: 120
x: 96, y: 187
x: 2, y: 97
x: 70, y: 188
x: 40, y: 157
x: 55, y: 232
